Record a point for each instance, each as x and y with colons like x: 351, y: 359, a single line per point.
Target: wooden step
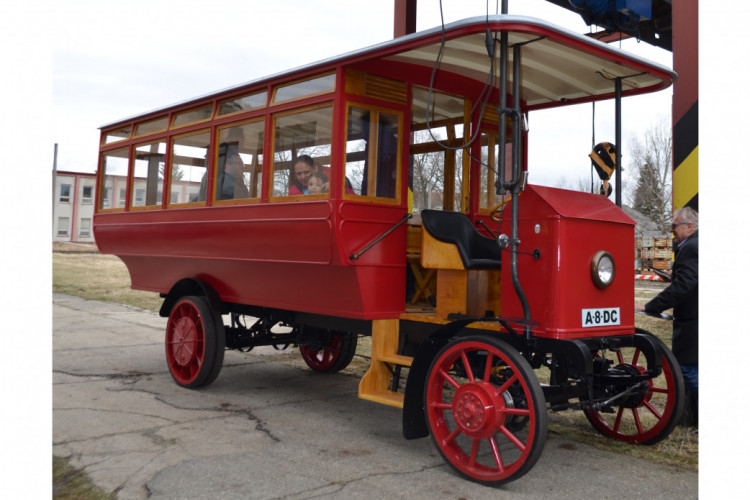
x: 396, y: 359
x: 375, y: 384
x: 389, y: 398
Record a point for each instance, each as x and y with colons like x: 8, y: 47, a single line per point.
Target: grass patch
x: 93, y: 276
x: 69, y: 483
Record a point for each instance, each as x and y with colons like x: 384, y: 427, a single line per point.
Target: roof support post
x: 404, y: 17
x: 618, y: 142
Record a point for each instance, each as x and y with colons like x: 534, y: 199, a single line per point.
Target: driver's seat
x: 475, y: 250
x: 467, y: 263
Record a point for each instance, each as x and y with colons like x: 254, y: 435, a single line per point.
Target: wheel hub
x: 477, y: 409
x: 184, y: 340
x: 641, y: 396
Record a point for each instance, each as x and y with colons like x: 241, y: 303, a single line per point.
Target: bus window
x: 244, y: 103
x: 151, y: 126
x: 194, y: 115
x: 240, y: 161
x: 117, y: 135
x: 148, y: 174
x: 295, y: 135
x: 372, y: 152
x: 305, y: 88
x: 188, y: 169
x: 437, y: 174
x: 114, y: 178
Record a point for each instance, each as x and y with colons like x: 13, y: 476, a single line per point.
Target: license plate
x: 605, y: 316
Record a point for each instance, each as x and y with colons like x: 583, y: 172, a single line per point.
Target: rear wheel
x: 194, y: 342
x: 329, y: 352
x: 485, y: 409
x: 650, y: 414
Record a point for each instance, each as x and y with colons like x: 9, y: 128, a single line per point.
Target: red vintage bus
x: 383, y: 193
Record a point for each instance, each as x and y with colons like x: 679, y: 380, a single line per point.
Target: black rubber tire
x: 194, y: 342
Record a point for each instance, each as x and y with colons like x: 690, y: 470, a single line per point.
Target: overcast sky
x: 112, y: 60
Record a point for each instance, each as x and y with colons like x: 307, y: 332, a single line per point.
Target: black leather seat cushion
x: 476, y: 250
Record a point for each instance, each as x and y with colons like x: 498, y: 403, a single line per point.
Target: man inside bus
x: 682, y: 295
x: 303, y: 167
x: 230, y: 181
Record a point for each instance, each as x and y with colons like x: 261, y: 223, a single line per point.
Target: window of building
x: 239, y: 165
x: 115, y: 172
x: 148, y: 174
x: 63, y: 226
x: 296, y: 135
x: 106, y: 197
x: 88, y: 195
x: 373, y: 152
x: 243, y: 103
x: 85, y: 229
x: 64, y: 193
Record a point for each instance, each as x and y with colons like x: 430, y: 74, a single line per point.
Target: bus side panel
x: 279, y: 258
x: 381, y: 268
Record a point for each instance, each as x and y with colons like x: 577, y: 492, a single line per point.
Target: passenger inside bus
x: 230, y: 181
x: 303, y: 168
x: 317, y: 183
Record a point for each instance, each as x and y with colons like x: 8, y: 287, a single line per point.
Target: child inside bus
x: 317, y: 183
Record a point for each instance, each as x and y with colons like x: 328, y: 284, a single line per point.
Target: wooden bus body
x: 199, y: 201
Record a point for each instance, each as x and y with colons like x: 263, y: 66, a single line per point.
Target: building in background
x: 73, y: 207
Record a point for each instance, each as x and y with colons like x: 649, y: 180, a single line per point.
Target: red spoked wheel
x: 194, y: 342
x: 485, y: 410
x: 329, y: 352
x: 652, y: 413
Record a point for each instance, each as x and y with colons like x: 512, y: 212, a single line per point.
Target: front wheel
x: 650, y: 415
x: 195, y: 342
x: 485, y: 409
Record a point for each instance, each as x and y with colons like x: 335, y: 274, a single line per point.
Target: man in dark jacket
x: 682, y: 295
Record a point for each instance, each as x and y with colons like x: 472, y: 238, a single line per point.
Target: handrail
x: 357, y: 255
x: 481, y: 222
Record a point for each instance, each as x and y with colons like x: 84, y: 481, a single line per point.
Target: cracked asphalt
x: 266, y: 430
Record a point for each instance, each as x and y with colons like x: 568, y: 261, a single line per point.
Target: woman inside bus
x: 303, y: 167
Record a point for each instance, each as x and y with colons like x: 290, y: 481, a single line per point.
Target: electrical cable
x: 484, y: 99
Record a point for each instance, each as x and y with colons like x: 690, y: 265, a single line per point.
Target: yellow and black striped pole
x: 685, y: 104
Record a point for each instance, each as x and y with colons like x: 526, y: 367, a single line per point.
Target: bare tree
x: 580, y: 184
x: 652, y: 161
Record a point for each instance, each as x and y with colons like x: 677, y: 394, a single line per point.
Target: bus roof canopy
x: 558, y: 66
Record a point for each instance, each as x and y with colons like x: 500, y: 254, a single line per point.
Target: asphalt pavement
x: 267, y: 430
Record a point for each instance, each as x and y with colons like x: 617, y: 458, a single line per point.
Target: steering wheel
x: 497, y: 210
